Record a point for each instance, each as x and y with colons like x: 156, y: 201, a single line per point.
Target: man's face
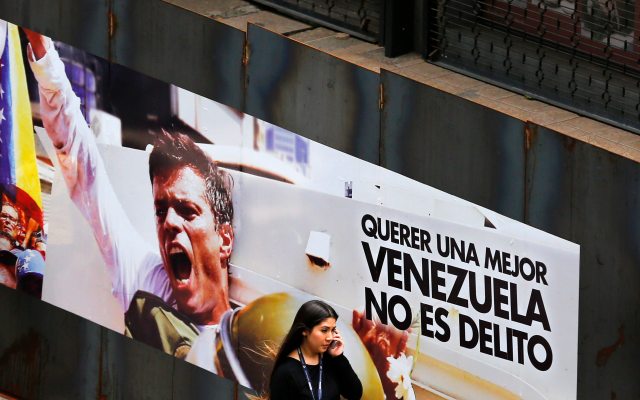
x: 194, y: 252
x: 9, y: 219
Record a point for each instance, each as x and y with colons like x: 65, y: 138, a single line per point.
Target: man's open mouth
x: 180, y: 264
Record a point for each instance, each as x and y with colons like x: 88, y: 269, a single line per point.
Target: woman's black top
x: 338, y: 378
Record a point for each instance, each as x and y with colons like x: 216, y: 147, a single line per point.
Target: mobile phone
x: 333, y: 344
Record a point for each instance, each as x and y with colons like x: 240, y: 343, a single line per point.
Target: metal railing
x: 582, y: 55
x: 359, y: 18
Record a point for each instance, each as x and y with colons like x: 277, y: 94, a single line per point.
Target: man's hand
x: 381, y: 341
x: 39, y: 43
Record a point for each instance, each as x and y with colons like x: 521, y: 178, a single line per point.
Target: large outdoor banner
x: 207, y: 250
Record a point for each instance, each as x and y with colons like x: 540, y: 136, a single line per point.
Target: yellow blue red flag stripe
x: 19, y: 181
x: 18, y: 166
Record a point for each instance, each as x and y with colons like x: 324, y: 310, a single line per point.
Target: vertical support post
x: 398, y: 27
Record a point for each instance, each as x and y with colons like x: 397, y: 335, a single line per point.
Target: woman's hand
x: 337, y: 347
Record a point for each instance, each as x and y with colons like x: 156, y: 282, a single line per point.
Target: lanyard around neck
x: 306, y: 374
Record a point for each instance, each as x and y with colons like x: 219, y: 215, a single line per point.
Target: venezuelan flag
x: 19, y: 181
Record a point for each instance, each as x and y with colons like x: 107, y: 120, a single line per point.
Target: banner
x: 206, y: 251
x: 22, y: 239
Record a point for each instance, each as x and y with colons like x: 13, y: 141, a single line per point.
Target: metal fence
x: 580, y: 54
x: 360, y: 18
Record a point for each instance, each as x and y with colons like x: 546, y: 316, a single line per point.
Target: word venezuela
x: 491, y: 296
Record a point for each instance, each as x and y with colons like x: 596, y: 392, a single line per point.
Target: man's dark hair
x: 173, y: 151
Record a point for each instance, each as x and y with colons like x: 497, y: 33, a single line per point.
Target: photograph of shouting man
x: 171, y: 293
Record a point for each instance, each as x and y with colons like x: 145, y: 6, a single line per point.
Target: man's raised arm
x: 122, y: 248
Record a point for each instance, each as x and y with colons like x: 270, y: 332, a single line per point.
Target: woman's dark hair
x: 309, y: 315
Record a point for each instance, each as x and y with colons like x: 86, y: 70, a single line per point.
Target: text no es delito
x: 458, y: 286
